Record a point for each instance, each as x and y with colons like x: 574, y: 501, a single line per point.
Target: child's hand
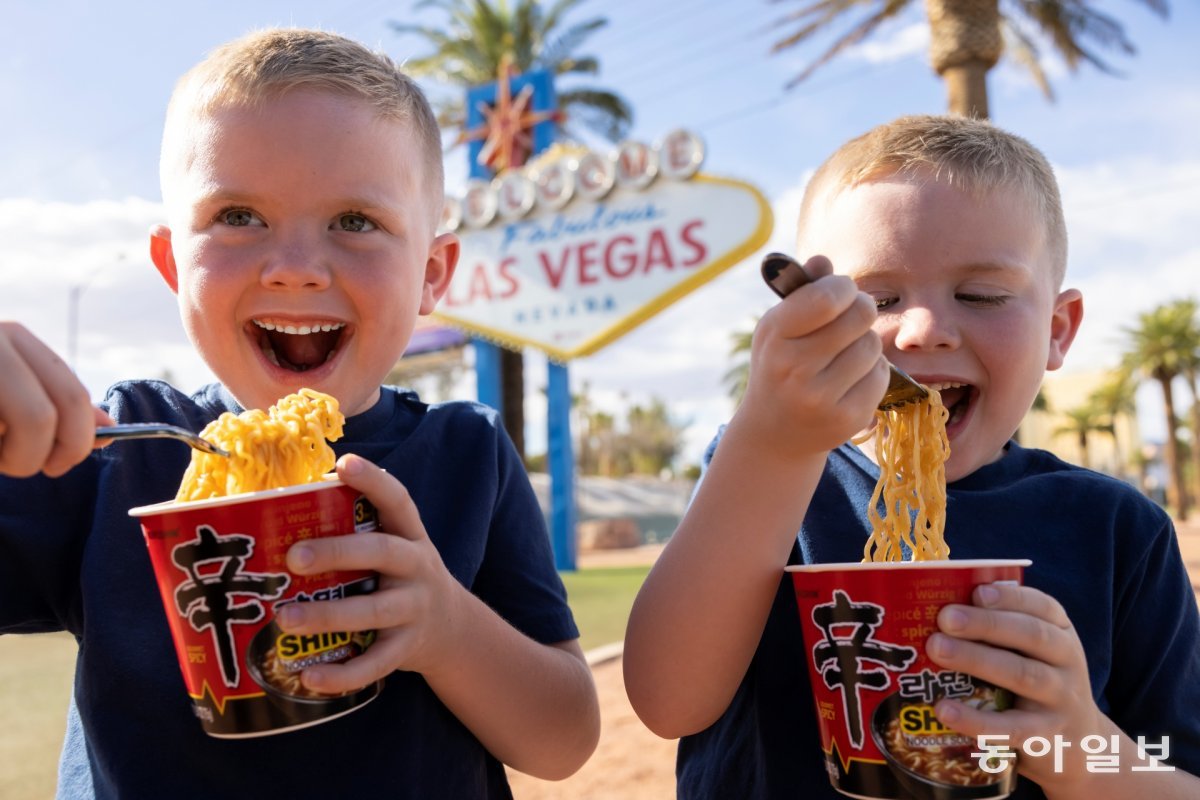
x: 47, y: 422
x: 816, y: 368
x: 1021, y: 639
x: 413, y: 609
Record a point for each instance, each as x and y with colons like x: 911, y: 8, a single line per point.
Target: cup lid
x: 963, y: 563
x: 328, y: 481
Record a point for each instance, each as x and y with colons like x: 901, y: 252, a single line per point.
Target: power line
x: 677, y: 51
x: 782, y: 98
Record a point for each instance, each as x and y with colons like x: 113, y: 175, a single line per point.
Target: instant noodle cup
x: 865, y: 627
x: 221, y: 568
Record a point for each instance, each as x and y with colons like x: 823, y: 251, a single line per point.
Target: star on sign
x: 507, y: 128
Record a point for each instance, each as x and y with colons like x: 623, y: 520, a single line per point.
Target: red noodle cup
x: 865, y: 627
x: 221, y: 568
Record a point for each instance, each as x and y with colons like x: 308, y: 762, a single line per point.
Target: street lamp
x: 73, y: 294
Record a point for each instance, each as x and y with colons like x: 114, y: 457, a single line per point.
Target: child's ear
x: 1064, y: 324
x: 162, y: 255
x: 439, y: 269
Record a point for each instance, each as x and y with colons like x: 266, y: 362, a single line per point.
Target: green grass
x: 36, y: 671
x: 600, y: 599
x: 35, y: 685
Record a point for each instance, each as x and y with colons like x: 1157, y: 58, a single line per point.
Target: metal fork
x: 155, y: 430
x: 784, y: 275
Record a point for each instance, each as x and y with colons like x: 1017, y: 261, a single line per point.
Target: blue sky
x: 83, y: 86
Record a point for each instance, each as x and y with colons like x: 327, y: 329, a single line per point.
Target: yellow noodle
x: 284, y: 446
x: 911, y: 447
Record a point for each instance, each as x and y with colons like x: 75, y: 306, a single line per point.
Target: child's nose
x: 296, y: 266
x: 922, y: 328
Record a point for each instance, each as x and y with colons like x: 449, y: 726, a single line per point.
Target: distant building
x: 1116, y: 455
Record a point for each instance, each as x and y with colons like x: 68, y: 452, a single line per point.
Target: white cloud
x: 894, y: 43
x: 1133, y: 246
x: 127, y: 325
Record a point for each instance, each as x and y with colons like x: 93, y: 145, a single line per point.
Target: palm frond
x: 599, y: 110
x: 824, y: 12
x: 584, y: 65
x: 552, y: 16
x: 1022, y: 49
x: 855, y: 35
x: 568, y: 41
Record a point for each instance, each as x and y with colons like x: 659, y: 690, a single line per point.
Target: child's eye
x: 238, y: 217
x: 354, y: 223
x: 984, y: 300
x: 882, y: 301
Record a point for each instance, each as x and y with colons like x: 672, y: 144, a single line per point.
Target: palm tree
x: 1081, y: 421
x: 738, y: 376
x: 1187, y: 312
x: 479, y: 35
x: 968, y: 37
x: 1158, y: 346
x: 478, y: 38
x: 1115, y: 397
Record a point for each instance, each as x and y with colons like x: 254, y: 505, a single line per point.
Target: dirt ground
x: 630, y: 763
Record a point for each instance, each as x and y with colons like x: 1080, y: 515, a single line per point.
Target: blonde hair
x: 969, y: 154
x: 264, y: 64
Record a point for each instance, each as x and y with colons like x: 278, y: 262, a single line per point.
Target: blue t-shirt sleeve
x: 43, y: 530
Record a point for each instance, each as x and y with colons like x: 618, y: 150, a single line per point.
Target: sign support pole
x: 499, y: 132
x: 487, y: 374
x: 561, y: 464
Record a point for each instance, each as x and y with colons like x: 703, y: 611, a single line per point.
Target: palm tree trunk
x: 964, y: 43
x: 1176, y: 490
x: 966, y: 89
x: 1195, y: 436
x: 1083, y: 449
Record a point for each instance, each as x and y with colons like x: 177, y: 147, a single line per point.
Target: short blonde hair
x: 969, y: 154
x: 264, y: 64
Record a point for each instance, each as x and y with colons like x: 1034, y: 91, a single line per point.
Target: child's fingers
x: 1025, y: 599
x: 1027, y: 677
x: 397, y: 512
x: 818, y: 266
x: 1013, y: 630
x: 46, y: 412
x: 1013, y: 723
x: 354, y: 673
x: 378, y: 552
x: 812, y: 307
x: 376, y: 611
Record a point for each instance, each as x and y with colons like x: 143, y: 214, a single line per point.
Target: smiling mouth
x: 956, y: 397
x: 298, y: 347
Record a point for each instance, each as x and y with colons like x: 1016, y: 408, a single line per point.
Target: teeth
x: 937, y: 387
x: 300, y: 330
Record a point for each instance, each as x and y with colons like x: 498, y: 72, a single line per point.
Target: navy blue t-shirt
x: 72, y: 559
x: 1104, y: 551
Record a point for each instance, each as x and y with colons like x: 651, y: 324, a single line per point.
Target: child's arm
x: 816, y: 376
x: 1021, y: 639
x: 47, y: 422
x: 532, y: 706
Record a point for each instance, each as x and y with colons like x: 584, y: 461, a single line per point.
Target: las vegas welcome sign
x: 573, y: 252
